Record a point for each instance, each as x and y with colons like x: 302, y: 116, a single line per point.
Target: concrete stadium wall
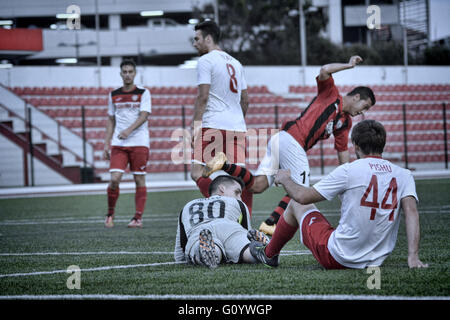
x: 276, y: 78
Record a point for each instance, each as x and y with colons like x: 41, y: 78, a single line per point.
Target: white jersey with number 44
x: 225, y: 75
x: 370, y: 190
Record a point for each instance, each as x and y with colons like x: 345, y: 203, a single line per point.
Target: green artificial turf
x: 71, y: 228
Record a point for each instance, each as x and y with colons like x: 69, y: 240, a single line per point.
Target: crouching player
x: 217, y: 229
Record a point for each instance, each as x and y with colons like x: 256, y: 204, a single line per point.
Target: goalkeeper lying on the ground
x: 216, y: 229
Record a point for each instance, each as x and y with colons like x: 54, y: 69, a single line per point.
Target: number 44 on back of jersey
x: 374, y: 204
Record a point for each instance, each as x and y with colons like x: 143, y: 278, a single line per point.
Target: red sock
x: 283, y: 233
x: 113, y: 195
x: 139, y: 200
x: 203, y: 185
x: 240, y: 172
x: 247, y: 198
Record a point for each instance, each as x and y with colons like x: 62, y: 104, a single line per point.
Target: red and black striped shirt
x: 322, y: 117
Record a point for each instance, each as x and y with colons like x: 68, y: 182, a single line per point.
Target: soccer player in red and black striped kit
x: 328, y: 113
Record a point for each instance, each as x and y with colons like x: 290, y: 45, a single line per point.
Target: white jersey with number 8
x: 225, y: 75
x: 370, y: 191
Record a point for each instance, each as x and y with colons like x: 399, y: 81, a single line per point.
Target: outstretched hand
x: 354, y: 60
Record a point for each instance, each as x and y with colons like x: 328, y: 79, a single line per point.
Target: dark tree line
x: 266, y: 32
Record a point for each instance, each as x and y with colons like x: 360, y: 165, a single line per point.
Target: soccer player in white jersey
x: 217, y: 229
x: 128, y: 138
x: 218, y: 124
x: 372, y: 191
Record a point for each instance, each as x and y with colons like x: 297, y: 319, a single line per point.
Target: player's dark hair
x: 370, y: 136
x: 224, y: 179
x: 209, y: 27
x: 364, y: 93
x: 128, y: 62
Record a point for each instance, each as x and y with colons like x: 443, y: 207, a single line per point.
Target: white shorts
x: 228, y: 235
x: 284, y: 152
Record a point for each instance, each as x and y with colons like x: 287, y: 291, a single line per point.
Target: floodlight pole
x: 402, y: 23
x: 216, y: 11
x: 97, y: 34
x: 301, y: 17
x: 405, y: 52
x: 368, y: 32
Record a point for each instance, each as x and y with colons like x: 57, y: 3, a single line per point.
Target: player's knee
x: 115, y: 180
x: 196, y: 171
x: 195, y: 175
x: 114, y: 184
x: 297, y: 210
x: 260, y: 184
x: 140, y: 180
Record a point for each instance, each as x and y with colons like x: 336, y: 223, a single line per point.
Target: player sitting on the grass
x: 217, y: 229
x: 372, y: 191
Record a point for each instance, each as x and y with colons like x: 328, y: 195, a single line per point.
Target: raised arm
x: 327, y: 70
x: 412, y: 232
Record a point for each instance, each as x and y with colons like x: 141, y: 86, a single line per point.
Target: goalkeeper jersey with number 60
x: 370, y: 190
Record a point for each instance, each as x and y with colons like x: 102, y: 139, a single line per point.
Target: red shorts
x: 137, y: 157
x: 232, y: 143
x: 315, y: 232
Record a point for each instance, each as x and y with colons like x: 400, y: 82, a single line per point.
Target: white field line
x: 12, y: 254
x: 284, y: 253
x: 56, y: 221
x: 156, y: 217
x: 220, y: 297
x: 89, y: 269
x: 81, y: 253
x: 96, y: 220
x: 93, y: 220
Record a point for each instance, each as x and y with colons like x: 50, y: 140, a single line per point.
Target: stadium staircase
x: 268, y: 111
x: 58, y: 149
x: 53, y: 161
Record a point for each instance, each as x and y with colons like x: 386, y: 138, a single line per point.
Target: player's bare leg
x: 116, y: 178
x: 260, y: 184
x: 286, y: 229
x: 113, y: 195
x: 295, y: 211
x: 196, y: 170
